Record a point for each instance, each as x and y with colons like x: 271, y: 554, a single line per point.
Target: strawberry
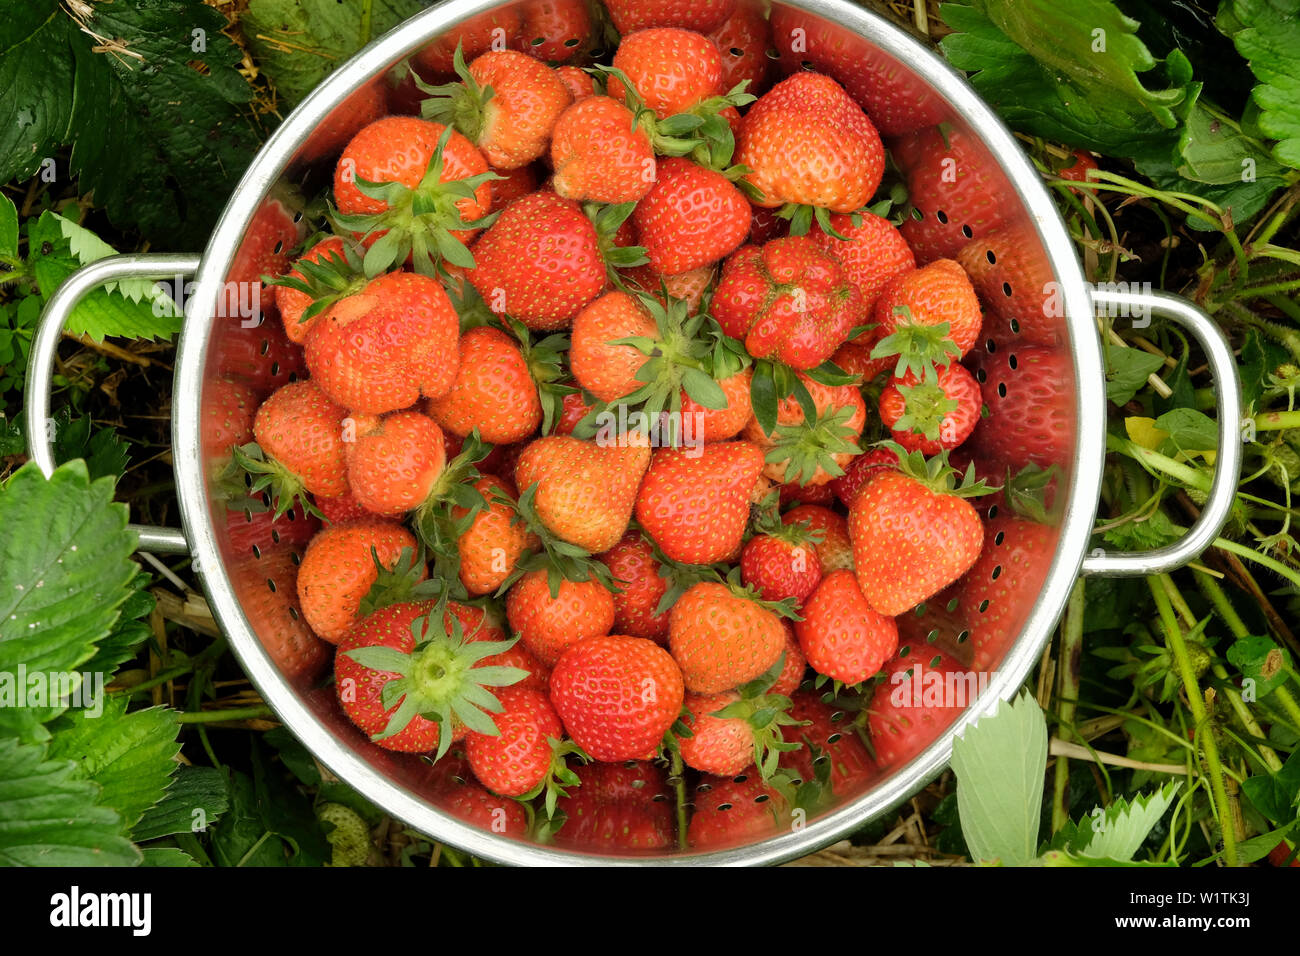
x: 415, y: 189
x: 930, y: 416
x: 694, y: 503
x: 573, y: 409
x: 494, y: 390
x: 692, y: 217
x: 830, y: 740
x: 913, y: 533
x: 601, y: 152
x: 673, y: 70
x: 268, y: 595
x: 834, y: 549
x: 394, y: 462
x: 366, y: 104
x: 1010, y: 272
x: 787, y: 300
x: 781, y: 564
x: 506, y: 104
x: 617, y: 695
x: 808, y: 143
x: 407, y: 675
x: 540, y: 262
x: 515, y: 184
x: 261, y: 356
x: 617, y: 807
x: 719, y: 424
x: 227, y: 417
x: 585, y: 492
x: 934, y: 304
x: 729, y: 812
x: 553, y: 30
x: 342, y: 508
x: 954, y: 186
x: 793, y: 493
x: 474, y: 804
x: 812, y: 452
x: 481, y: 627
x: 910, y: 709
x: 872, y: 252
x: 743, y: 41
x: 300, y: 448
x: 860, y: 471
x: 338, y: 570
x: 548, y: 622
x: 494, y: 29
x: 606, y: 370
x: 295, y: 301
x: 577, y: 80
x: 766, y: 225
x: 525, y: 751
x: 493, y: 543
x: 641, y: 588
x: 840, y: 635
x: 699, y: 15
x: 1031, y: 408
x: 690, y: 286
x: 720, y: 745
x: 722, y: 637
x: 794, y: 666
x: 383, y: 348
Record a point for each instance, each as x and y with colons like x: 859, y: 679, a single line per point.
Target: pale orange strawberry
x: 719, y: 424
x: 721, y: 745
x: 812, y: 453
x: 493, y: 543
x: 338, y: 570
x: 936, y: 293
x: 609, y: 371
x: 872, y: 252
x: 548, y: 625
x: 673, y: 70
x: 394, y: 462
x: 494, y: 390
x: 599, y: 154
x: 687, y: 286
x: 722, y: 639
x: 835, y: 549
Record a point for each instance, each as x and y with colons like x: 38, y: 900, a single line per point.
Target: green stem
x: 1276, y: 421
x: 1192, y: 477
x: 677, y: 772
x: 223, y: 716
x: 1251, y: 555
x: 1288, y: 703
x: 1204, y: 732
x: 1068, y: 693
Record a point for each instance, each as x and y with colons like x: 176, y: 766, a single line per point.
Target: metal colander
x: 1037, y: 307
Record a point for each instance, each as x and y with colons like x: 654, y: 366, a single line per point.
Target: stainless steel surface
x: 45, y: 346
x: 883, y: 66
x: 1227, y: 462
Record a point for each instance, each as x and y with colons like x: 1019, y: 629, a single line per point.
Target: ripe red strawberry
x: 807, y: 142
x: 722, y: 638
x: 791, y: 676
x: 506, y: 105
x: 780, y: 569
x: 338, y: 570
x: 553, y: 30
x: 929, y: 416
x: 831, y: 733
x: 700, y: 15
x: 687, y: 286
x: 494, y: 390
x: 911, y: 539
x: 494, y: 29
x: 860, y: 471
x: 300, y: 432
x: 930, y: 296
x: 793, y: 493
x: 407, y: 676
x: 673, y: 70
x: 1031, y: 408
x: 787, y: 300
x: 547, y: 624
x: 474, y: 804
x: 954, y: 185
x: 342, y: 508
x: 260, y: 356
x: 394, y: 462
x: 479, y: 626
x: 617, y: 695
x: 855, y: 358
x: 383, y: 348
x: 268, y: 594
x: 834, y: 549
x: 227, y: 418
x: 743, y: 41
x: 719, y: 745
x: 636, y: 572
x: 872, y: 252
x: 729, y: 812
x: 840, y: 635
x: 573, y: 409
x: 520, y: 757
x: 493, y: 543
x: 578, y: 81
x: 609, y: 371
x: 600, y: 153
x: 294, y: 302
x: 911, y: 707
x: 618, y: 808
x: 540, y: 262
x: 585, y: 492
x: 719, y: 424
x: 695, y: 506
x: 812, y: 453
x: 993, y: 597
x: 1014, y: 280
x: 692, y: 217
x: 515, y: 184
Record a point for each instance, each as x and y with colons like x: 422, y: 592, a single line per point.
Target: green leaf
x: 1267, y: 34
x: 1276, y: 795
x: 104, y: 452
x: 196, y: 799
x: 166, y: 856
x: 50, y: 815
x: 1117, y: 832
x: 130, y: 756
x: 999, y: 764
x: 1259, y: 358
x: 1127, y: 371
x: 131, y: 630
x: 1189, y: 429
x: 298, y: 43
x: 65, y: 570
x: 1217, y: 152
x: 1240, y: 201
x: 1260, y: 661
x: 8, y: 227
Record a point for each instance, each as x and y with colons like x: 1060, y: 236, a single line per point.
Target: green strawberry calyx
x: 331, y: 277
x: 925, y: 406
x: 787, y: 608
x: 919, y: 348
x: 809, y: 446
x: 460, y: 104
x: 766, y: 521
x: 560, y: 559
x: 559, y: 777
x: 439, y: 679
x: 436, y: 525
x: 284, y: 487
x: 545, y: 360
x: 936, y: 474
x: 765, y: 713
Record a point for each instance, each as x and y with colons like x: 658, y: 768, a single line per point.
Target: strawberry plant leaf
x: 131, y: 756
x: 197, y: 798
x: 1261, y: 662
x: 1127, y: 371
x: 1116, y: 832
x: 103, y: 451
x: 1267, y: 34
x: 65, y: 570
x: 50, y: 815
x: 8, y: 227
x: 1277, y: 795
x: 999, y: 763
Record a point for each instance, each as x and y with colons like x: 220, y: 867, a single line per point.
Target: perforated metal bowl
x: 1035, y: 299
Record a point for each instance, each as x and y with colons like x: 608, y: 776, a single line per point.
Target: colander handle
x: 1227, y: 463
x: 40, y: 367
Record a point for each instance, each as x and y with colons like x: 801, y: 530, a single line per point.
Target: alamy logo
x: 79, y: 690
x: 74, y: 909
x: 917, y: 687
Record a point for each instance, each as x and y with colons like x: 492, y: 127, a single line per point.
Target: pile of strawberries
x: 620, y: 439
